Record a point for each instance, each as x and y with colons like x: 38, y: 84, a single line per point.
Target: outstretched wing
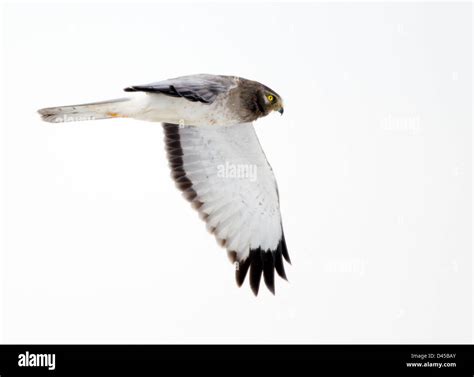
x: 224, y: 173
x: 203, y: 88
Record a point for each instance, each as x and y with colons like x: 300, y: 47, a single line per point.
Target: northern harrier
x: 215, y: 158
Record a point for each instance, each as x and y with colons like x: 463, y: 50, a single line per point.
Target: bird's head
x: 256, y: 100
x: 269, y: 100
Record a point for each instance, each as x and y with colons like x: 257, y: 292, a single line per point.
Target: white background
x: 372, y: 157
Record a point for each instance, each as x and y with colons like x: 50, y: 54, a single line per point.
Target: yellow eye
x: 270, y: 97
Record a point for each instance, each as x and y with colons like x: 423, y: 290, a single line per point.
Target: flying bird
x: 215, y: 158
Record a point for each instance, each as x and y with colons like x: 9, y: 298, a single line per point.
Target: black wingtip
x: 241, y: 271
x: 130, y: 89
x: 280, y: 269
x: 284, y: 249
x: 256, y: 269
x: 268, y: 270
x: 262, y: 262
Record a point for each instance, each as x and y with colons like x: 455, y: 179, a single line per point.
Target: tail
x: 89, y: 111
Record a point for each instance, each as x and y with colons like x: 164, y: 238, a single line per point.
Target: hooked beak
x: 281, y: 110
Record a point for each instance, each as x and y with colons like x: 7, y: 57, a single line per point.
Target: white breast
x: 155, y: 107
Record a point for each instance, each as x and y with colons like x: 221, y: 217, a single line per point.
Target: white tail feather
x: 88, y: 111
